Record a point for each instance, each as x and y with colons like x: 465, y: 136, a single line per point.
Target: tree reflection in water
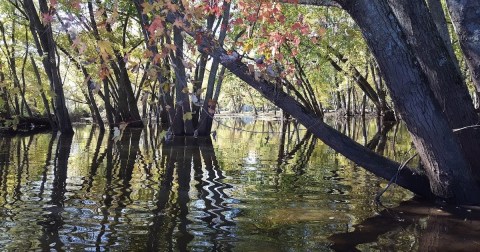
x: 277, y: 190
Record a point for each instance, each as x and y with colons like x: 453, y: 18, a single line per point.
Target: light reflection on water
x: 241, y: 191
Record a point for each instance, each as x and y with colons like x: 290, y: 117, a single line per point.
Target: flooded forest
x: 239, y: 125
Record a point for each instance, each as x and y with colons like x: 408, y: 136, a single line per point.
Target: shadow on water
x: 414, y: 226
x: 255, y: 186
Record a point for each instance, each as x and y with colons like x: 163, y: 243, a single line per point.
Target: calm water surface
x: 242, y: 190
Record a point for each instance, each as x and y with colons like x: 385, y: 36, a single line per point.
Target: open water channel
x: 241, y: 190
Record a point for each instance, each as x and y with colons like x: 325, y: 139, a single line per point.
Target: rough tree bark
x: 438, y: 15
x: 465, y: 19
x: 444, y: 76
x: 445, y: 165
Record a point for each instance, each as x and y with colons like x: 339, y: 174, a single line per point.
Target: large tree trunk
x: 446, y: 167
x: 5, y: 110
x: 465, y: 19
x: 444, y: 76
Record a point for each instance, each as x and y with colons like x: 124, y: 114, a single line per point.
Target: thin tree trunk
x: 438, y: 15
x: 42, y: 94
x: 46, y: 45
x: 209, y: 106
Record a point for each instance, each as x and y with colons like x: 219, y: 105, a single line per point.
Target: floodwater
x: 241, y: 190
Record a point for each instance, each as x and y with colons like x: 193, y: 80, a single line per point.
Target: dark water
x: 239, y: 191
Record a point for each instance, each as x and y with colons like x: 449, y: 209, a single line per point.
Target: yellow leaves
x: 185, y: 90
x: 248, y: 45
x: 15, y: 91
x: 152, y: 73
x: 105, y: 48
x: 187, y: 116
x: 166, y: 88
x: 113, y: 17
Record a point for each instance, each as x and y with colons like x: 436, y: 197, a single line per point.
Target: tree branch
x: 326, y: 3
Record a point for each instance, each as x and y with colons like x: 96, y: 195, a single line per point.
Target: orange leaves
x: 178, y: 23
x: 104, y: 72
x: 75, y: 5
x: 171, y: 47
x: 171, y: 6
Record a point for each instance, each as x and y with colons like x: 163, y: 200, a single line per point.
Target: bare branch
x: 326, y: 3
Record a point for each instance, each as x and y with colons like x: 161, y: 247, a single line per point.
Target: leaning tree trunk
x: 465, y: 19
x: 446, y: 167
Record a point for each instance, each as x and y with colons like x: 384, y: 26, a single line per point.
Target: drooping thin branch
x: 393, y: 179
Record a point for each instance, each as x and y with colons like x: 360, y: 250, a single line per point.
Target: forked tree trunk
x: 45, y: 44
x: 444, y: 76
x: 446, y: 167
